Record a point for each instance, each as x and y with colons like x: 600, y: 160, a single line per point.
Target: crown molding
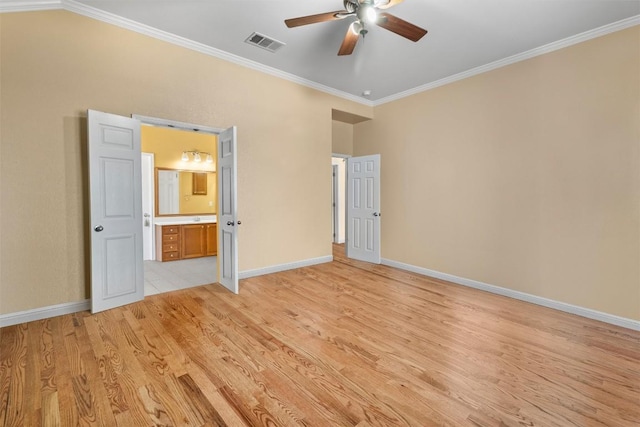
x: 541, y: 50
x: 147, y: 30
x: 110, y: 18
x: 29, y: 6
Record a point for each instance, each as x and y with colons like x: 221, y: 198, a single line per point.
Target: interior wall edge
x: 522, y: 296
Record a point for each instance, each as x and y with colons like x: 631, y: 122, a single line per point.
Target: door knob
x: 376, y: 214
x: 98, y: 228
x: 231, y: 223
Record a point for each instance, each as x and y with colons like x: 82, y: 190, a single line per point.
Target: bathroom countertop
x: 186, y: 220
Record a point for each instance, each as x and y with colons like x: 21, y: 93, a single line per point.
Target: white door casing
x: 363, y: 208
x: 335, y: 208
x: 227, y: 210
x: 116, y: 211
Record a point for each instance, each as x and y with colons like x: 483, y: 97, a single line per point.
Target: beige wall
x: 526, y: 177
x: 342, y: 137
x: 55, y: 65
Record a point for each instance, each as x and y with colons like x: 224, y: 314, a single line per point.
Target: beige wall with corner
x: 55, y: 65
x: 526, y: 177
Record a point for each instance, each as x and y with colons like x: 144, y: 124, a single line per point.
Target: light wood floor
x: 338, y: 344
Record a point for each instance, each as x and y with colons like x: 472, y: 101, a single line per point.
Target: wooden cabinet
x: 167, y: 242
x: 212, y: 239
x: 175, y: 242
x: 199, y: 186
x: 194, y: 241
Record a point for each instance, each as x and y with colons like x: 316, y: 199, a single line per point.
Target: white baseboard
x: 283, y: 267
x: 43, y: 312
x: 74, y: 307
x: 568, y: 308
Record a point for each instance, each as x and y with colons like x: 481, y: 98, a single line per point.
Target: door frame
x: 335, y: 202
x: 189, y: 127
x: 341, y: 200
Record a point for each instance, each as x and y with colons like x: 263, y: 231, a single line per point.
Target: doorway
x: 185, y: 149
x: 338, y: 202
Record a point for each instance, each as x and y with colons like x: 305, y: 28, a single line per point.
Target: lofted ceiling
x: 463, y: 37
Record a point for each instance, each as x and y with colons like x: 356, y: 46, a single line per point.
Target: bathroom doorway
x: 169, y: 149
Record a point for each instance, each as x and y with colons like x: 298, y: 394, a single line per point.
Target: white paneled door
x: 116, y: 211
x: 227, y: 210
x: 363, y: 208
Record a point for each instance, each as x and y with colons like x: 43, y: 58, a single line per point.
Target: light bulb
x: 196, y: 157
x: 356, y: 27
x: 209, y: 158
x: 369, y: 14
x: 185, y: 156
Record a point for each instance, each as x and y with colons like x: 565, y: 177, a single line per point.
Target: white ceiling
x: 463, y: 35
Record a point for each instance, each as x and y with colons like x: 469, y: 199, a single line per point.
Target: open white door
x: 363, y: 208
x: 227, y: 210
x: 149, y: 248
x: 116, y: 211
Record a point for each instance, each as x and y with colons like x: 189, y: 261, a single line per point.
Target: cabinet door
x: 212, y: 239
x: 199, y: 183
x: 193, y: 241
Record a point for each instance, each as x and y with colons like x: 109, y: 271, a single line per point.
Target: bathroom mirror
x: 176, y: 195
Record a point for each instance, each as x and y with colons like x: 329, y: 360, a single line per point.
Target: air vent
x: 264, y: 42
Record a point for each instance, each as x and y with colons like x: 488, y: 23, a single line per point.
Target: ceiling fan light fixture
x: 368, y: 13
x: 356, y: 27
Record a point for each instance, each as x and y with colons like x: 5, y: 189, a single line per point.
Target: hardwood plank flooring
x: 339, y: 344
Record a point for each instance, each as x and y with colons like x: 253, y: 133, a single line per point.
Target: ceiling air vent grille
x: 264, y: 42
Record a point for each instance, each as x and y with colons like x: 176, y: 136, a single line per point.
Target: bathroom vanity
x: 183, y: 241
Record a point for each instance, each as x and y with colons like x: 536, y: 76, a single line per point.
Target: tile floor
x: 169, y: 276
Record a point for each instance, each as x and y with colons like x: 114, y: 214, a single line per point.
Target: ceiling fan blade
x: 390, y: 4
x: 313, y: 19
x: 348, y: 43
x: 400, y: 27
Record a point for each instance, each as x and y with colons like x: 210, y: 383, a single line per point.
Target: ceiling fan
x: 365, y: 12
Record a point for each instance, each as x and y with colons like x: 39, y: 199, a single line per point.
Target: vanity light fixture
x: 196, y: 156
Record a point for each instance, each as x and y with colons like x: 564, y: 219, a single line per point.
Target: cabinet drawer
x: 171, y: 229
x: 170, y: 247
x: 170, y: 238
x: 168, y: 256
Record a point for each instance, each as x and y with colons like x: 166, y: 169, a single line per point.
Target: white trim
x: 44, y: 313
x: 30, y: 6
x: 147, y: 30
x: 284, y: 267
x: 541, y: 50
x: 110, y: 18
x: 545, y: 302
x: 173, y: 124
